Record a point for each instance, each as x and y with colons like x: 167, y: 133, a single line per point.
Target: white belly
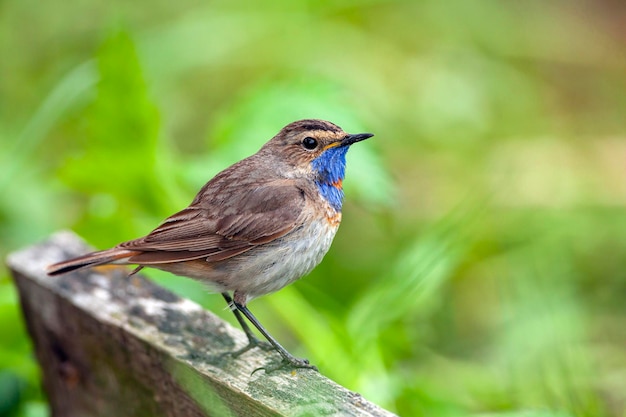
x: 272, y: 266
x: 268, y: 267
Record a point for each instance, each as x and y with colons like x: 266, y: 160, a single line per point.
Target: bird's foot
x: 287, y: 363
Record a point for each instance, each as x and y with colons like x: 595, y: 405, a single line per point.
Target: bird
x: 254, y: 228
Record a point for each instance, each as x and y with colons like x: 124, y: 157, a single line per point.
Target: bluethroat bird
x: 256, y: 227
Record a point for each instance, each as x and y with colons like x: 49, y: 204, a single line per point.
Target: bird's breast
x: 270, y: 267
x: 333, y: 217
x: 332, y: 193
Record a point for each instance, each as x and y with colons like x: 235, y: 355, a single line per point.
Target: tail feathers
x: 108, y: 256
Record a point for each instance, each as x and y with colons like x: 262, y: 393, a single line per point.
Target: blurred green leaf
x: 70, y: 91
x: 115, y: 160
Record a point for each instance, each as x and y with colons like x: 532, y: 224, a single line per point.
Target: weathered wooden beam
x: 110, y: 345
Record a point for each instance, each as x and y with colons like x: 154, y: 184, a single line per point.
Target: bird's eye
x: 309, y: 143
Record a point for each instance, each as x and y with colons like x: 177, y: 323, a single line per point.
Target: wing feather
x: 231, y: 221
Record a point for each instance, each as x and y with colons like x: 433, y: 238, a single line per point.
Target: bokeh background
x: 481, y: 265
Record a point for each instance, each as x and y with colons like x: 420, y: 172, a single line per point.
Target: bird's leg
x: 253, y: 341
x: 288, y: 358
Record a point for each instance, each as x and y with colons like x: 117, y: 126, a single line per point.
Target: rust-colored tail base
x: 109, y: 256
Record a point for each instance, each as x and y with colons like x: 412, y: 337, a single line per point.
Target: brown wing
x: 234, y: 219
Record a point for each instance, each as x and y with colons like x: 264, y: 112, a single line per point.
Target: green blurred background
x: 481, y: 265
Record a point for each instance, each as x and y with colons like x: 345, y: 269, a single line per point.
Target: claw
x: 287, y: 364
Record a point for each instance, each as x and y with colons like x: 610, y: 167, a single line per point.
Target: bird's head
x: 316, y: 149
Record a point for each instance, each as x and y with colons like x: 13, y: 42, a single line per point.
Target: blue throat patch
x: 331, y: 169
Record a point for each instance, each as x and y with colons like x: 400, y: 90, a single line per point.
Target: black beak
x: 350, y: 139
